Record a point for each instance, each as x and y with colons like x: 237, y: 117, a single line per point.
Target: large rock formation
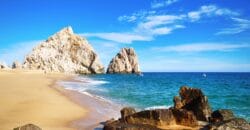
x: 64, y: 52
x: 125, y: 61
x: 190, y: 111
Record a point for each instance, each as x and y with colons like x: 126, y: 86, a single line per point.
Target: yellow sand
x: 26, y: 97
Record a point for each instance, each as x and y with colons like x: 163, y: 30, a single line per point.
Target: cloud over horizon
x: 202, y: 47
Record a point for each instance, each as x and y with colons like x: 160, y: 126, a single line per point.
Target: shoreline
x: 96, y: 109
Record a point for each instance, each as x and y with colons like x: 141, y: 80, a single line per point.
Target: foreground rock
x: 64, y: 52
x: 28, y: 127
x: 194, y: 100
x: 125, y: 61
x: 231, y: 124
x: 191, y: 110
x: 222, y: 115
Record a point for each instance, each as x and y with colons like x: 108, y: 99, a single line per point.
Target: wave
x: 91, y: 81
x: 158, y: 107
x: 84, y: 85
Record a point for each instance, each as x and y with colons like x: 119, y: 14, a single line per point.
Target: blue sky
x: 168, y: 35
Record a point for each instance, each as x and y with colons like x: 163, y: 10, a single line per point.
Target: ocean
x: 156, y: 90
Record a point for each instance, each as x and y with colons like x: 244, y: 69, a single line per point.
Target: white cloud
x: 145, y: 30
x: 119, y: 37
x: 18, y: 51
x: 202, y: 47
x: 159, y: 4
x: 240, y: 26
x: 210, y: 10
x: 127, y: 18
x: 158, y: 20
x: 150, y: 24
x: 136, y: 16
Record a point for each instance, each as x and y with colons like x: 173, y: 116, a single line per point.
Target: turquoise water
x: 153, y: 90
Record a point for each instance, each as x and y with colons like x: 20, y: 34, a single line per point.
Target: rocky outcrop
x: 28, y: 127
x: 194, y: 100
x: 231, y: 124
x: 224, y: 119
x: 64, y: 52
x: 222, y: 115
x: 16, y: 65
x: 191, y: 110
x: 125, y: 61
x: 177, y: 115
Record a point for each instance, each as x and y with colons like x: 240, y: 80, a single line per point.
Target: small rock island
x: 126, y: 61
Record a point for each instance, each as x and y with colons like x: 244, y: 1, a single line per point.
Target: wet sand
x: 98, y: 110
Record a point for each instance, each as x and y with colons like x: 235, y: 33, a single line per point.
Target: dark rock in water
x: 222, y: 115
x: 126, y: 112
x: 191, y: 110
x: 28, y: 127
x: 194, y: 100
x: 231, y: 124
x: 184, y: 117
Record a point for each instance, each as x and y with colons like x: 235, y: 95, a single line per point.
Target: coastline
x: 98, y: 110
x: 28, y: 97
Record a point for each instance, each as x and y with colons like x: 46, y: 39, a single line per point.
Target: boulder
x: 231, y: 124
x: 157, y: 117
x: 222, y: 115
x: 192, y: 99
x: 126, y: 112
x: 185, y: 117
x: 118, y: 125
x: 28, y: 127
x: 16, y: 65
x: 125, y: 61
x: 64, y: 52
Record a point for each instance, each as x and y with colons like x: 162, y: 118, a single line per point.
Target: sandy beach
x: 28, y: 97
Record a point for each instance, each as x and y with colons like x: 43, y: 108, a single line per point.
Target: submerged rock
x: 64, y: 52
x: 28, y: 127
x: 125, y: 61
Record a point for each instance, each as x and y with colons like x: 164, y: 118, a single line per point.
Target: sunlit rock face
x: 64, y: 52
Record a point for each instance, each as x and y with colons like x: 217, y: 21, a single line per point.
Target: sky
x: 167, y: 35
